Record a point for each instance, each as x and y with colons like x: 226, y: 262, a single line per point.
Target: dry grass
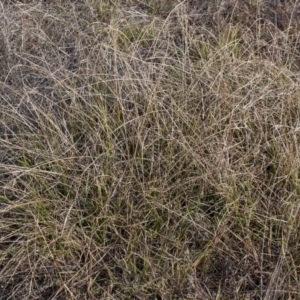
x: 149, y: 150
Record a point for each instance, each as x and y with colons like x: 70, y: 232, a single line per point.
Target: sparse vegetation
x: 149, y: 149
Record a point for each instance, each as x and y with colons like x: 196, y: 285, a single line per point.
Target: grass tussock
x: 149, y: 150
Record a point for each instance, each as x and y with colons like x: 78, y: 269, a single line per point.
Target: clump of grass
x: 149, y: 150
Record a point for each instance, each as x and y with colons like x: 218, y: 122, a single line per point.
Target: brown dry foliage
x: 149, y: 149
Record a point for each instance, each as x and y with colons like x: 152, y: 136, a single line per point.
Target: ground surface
x: 149, y: 149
